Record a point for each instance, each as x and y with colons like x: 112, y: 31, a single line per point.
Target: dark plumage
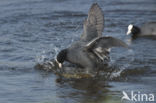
x: 92, y: 50
x: 147, y: 29
x: 62, y: 56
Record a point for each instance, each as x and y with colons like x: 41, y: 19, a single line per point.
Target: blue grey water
x: 32, y: 31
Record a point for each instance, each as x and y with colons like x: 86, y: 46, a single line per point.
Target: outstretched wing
x: 106, y: 42
x: 93, y: 26
x: 101, y: 46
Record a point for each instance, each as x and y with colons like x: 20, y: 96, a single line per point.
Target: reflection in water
x: 85, y: 90
x: 38, y: 29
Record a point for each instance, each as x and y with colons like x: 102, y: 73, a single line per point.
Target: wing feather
x: 106, y: 42
x: 93, y: 26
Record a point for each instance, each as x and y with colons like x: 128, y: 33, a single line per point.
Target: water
x: 35, y: 30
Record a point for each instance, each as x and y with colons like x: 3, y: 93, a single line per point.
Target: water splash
x: 46, y: 55
x: 41, y: 57
x: 121, y: 63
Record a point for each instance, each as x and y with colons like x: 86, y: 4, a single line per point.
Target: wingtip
x: 126, y: 46
x: 119, y: 42
x: 97, y: 13
x: 123, y: 44
x: 95, y: 5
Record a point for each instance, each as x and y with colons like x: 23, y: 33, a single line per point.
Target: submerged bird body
x: 147, y: 29
x: 76, y: 54
x: 92, y: 50
x: 91, y: 55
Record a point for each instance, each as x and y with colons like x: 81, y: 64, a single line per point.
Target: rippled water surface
x: 32, y: 31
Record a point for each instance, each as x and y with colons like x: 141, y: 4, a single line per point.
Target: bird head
x: 61, y: 57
